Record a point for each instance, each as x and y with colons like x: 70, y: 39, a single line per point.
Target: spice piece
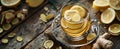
x: 20, y: 16
x: 46, y: 8
x: 43, y: 17
x: 19, y: 38
x: 1, y: 30
x: 48, y: 44
x: 4, y: 41
x: 50, y: 16
x: 15, y: 21
x: 11, y: 35
x: 103, y: 42
x: 6, y: 26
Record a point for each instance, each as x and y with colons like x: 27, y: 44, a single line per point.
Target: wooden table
x: 33, y: 31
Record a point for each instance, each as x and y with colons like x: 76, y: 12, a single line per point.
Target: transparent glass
x: 67, y: 40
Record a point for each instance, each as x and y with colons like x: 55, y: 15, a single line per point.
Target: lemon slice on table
x: 10, y: 3
x: 114, y: 28
x: 108, y: 16
x: 72, y: 15
x: 48, y: 44
x: 100, y: 4
x: 115, y: 4
x: 80, y: 9
x: 34, y: 3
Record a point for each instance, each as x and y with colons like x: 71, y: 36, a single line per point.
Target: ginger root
x: 103, y: 42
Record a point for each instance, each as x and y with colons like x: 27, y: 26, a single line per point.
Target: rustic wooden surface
x: 34, y: 33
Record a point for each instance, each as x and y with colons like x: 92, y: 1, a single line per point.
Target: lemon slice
x: 64, y: 9
x: 80, y: 33
x: 108, y: 16
x: 115, y: 4
x: 48, y: 44
x: 101, y: 3
x: 19, y: 38
x: 80, y: 9
x: 4, y: 41
x: 34, y: 3
x: 114, y: 28
x: 65, y: 24
x: 91, y: 36
x: 1, y: 30
x: 10, y: 3
x: 72, y: 15
x: 43, y: 17
x: 75, y: 31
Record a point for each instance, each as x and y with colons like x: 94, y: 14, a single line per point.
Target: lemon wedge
x: 114, y: 28
x: 115, y: 4
x: 72, y: 15
x: 10, y: 3
x: 80, y: 9
x: 108, y: 16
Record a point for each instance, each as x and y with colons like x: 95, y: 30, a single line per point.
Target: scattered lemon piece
x: 91, y: 36
x: 1, y: 30
x: 100, y: 5
x: 4, y: 41
x: 108, y: 16
x: 48, y: 44
x: 115, y: 4
x: 43, y: 17
x: 19, y: 38
x: 11, y: 35
x: 10, y: 3
x: 7, y: 26
x: 34, y: 3
x: 114, y: 28
x: 50, y: 16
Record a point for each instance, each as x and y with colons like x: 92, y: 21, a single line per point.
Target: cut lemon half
x: 80, y: 9
x: 115, y: 4
x: 72, y: 15
x: 114, y: 28
x: 108, y: 16
x: 10, y: 3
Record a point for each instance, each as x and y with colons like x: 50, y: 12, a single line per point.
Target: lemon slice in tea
x: 80, y: 9
x: 72, y: 15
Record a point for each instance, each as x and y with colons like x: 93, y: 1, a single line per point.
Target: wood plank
x: 31, y: 12
x: 28, y: 30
